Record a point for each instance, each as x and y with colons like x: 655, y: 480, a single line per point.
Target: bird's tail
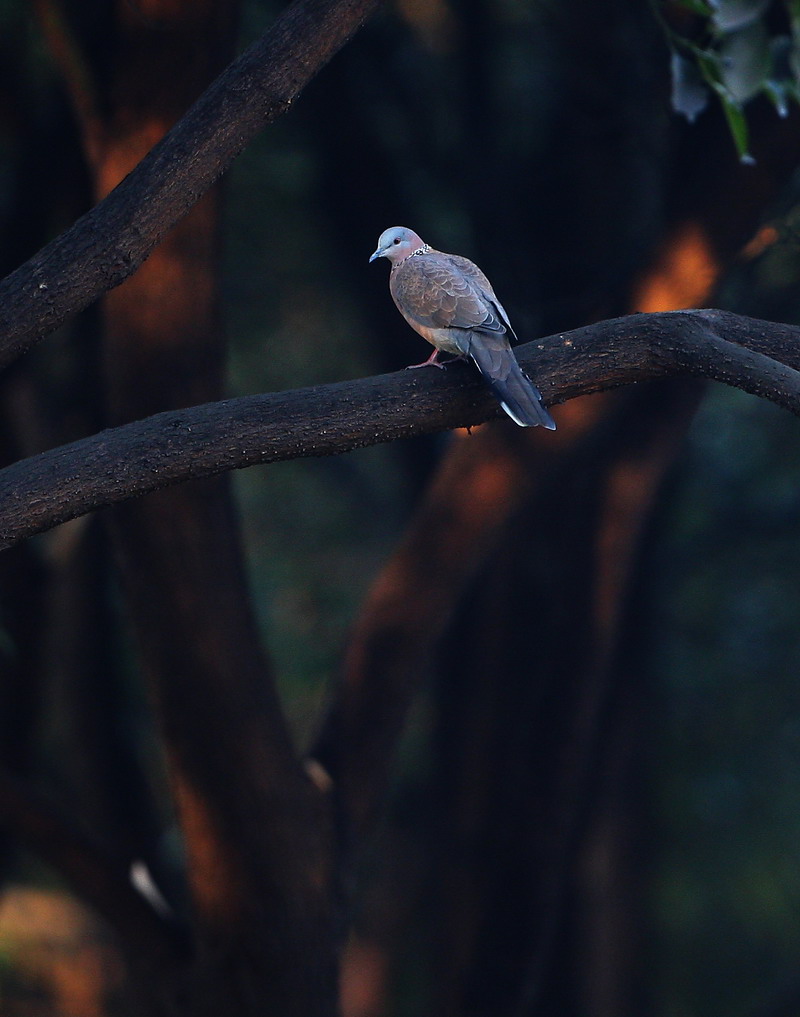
x: 516, y: 393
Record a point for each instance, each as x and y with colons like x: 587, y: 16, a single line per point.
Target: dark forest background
x: 594, y: 807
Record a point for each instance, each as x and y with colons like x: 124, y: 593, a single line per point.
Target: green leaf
x: 698, y: 7
x: 738, y: 127
x: 778, y: 95
x: 689, y: 90
x: 710, y: 65
x: 732, y: 15
x: 745, y: 61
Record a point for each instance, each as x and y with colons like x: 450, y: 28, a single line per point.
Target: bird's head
x: 397, y: 243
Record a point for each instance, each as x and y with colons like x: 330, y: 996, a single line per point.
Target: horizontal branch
x: 168, y: 448
x: 110, y: 242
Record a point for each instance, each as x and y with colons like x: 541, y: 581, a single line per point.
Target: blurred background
x: 596, y: 805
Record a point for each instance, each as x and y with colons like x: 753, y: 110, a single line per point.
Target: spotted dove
x: 451, y: 303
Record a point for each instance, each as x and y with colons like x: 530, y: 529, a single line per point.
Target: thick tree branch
x: 111, y: 241
x: 36, y: 494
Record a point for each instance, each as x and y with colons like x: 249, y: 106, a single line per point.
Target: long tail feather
x: 516, y: 393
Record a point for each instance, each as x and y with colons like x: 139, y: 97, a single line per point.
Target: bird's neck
x: 425, y: 249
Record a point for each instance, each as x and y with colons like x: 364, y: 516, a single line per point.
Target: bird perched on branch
x: 451, y: 303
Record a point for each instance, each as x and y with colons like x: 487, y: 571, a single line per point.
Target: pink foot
x: 432, y: 361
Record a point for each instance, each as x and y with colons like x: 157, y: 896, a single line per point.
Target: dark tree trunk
x: 512, y: 584
x: 537, y: 815
x: 252, y: 823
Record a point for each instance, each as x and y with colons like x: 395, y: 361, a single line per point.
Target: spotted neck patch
x: 425, y: 249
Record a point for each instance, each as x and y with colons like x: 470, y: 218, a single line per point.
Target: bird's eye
x: 396, y: 240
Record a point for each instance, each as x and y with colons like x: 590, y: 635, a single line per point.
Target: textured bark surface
x: 176, y: 445
x: 512, y: 579
x: 260, y: 920
x: 110, y: 242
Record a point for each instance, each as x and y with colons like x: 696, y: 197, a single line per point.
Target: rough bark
x: 263, y: 893
x: 107, y: 245
x: 176, y: 445
x: 253, y: 825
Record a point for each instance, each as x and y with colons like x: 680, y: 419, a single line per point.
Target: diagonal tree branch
x: 111, y: 241
x: 36, y: 494
x: 395, y: 635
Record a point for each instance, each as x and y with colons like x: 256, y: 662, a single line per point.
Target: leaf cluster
x: 734, y: 50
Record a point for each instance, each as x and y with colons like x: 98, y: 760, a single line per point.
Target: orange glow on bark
x: 766, y: 237
x: 216, y: 888
x: 364, y: 977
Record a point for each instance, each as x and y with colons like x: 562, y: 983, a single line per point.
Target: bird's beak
x: 377, y: 254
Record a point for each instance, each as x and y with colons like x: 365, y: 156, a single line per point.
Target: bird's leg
x: 433, y: 361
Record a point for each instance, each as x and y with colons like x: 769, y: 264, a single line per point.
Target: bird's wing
x: 490, y: 350
x: 472, y: 272
x: 435, y: 291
